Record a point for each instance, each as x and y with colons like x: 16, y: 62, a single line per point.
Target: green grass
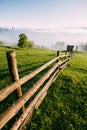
x: 27, y: 61
x: 65, y: 106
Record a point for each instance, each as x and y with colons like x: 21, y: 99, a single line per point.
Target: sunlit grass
x: 65, y: 106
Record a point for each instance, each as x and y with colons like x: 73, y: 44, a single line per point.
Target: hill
x: 65, y: 107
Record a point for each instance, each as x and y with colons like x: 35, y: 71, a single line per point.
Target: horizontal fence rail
x: 49, y: 77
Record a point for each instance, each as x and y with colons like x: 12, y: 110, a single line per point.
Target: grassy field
x: 65, y: 106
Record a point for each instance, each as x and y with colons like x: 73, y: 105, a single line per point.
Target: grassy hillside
x: 65, y: 107
x: 27, y: 61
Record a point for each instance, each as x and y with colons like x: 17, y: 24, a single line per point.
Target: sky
x: 43, y: 14
x: 47, y: 21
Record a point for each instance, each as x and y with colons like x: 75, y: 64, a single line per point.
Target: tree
x: 59, y: 45
x: 83, y: 46
x: 30, y: 44
x: 23, y: 39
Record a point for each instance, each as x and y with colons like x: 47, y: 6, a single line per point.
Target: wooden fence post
x: 12, y: 64
x: 57, y: 55
x: 66, y: 52
x: 58, y: 59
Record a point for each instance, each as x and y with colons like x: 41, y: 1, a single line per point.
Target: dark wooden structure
x: 70, y: 48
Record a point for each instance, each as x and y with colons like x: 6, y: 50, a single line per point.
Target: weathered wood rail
x: 60, y: 63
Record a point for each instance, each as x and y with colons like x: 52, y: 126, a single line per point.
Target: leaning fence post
x: 12, y: 64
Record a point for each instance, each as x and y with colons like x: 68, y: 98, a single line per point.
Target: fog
x: 46, y: 37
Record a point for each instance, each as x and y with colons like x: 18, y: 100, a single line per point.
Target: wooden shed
x: 70, y: 48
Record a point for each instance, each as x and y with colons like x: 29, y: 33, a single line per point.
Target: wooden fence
x: 60, y: 63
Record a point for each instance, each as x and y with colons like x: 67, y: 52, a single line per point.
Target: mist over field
x: 47, y: 37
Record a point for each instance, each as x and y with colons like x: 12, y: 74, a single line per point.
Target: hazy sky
x: 43, y: 13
